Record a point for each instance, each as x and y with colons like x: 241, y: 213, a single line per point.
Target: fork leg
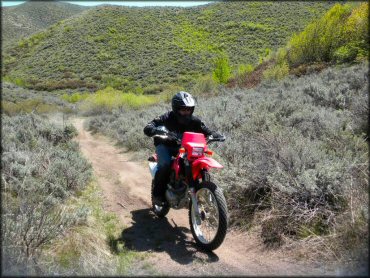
x: 194, y: 203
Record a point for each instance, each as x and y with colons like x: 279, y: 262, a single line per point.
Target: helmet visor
x: 185, y: 111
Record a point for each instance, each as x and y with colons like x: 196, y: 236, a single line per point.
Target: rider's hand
x: 172, y: 135
x: 216, y: 135
x: 160, y: 131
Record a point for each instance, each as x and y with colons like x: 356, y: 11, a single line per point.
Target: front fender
x: 204, y: 163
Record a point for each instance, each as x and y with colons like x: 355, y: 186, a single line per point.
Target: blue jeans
x: 164, y: 154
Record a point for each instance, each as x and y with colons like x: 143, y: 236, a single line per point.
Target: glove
x: 172, y: 135
x: 160, y: 131
x: 216, y: 135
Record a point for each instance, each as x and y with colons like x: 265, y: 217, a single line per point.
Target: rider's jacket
x: 170, y: 122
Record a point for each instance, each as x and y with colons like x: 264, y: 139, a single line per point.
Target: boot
x: 158, y: 200
x: 160, y: 182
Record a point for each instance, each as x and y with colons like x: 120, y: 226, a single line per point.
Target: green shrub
x: 137, y: 90
x: 15, y: 80
x: 75, y: 97
x: 357, y: 27
x: 242, y: 72
x: 169, y: 91
x: 51, y: 85
x: 104, y: 55
x: 17, y: 99
x: 153, y: 89
x: 222, y: 70
x: 109, y: 99
x: 265, y: 56
x: 251, y: 26
x: 281, y: 55
x: 192, y: 38
x: 245, y: 69
x: 277, y: 72
x: 340, y: 35
x: 27, y: 106
x: 67, y: 28
x: 205, y: 85
x: 116, y: 82
x: 346, y: 53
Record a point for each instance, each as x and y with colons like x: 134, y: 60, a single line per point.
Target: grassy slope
x: 130, y: 47
x: 16, y: 99
x: 28, y: 18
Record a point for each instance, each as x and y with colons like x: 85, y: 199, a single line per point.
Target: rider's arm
x: 201, y: 127
x: 150, y: 128
x: 205, y: 130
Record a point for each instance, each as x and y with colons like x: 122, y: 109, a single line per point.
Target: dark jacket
x: 170, y: 122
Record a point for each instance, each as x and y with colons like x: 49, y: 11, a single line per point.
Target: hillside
x: 296, y: 159
x: 138, y: 48
x: 30, y: 17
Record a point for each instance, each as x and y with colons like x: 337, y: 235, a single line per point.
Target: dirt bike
x: 190, y: 187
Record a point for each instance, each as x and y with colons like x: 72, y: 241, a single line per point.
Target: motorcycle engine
x: 175, y: 195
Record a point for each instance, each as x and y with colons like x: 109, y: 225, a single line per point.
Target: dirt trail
x: 126, y: 189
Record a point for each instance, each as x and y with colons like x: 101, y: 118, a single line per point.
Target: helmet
x: 183, y: 99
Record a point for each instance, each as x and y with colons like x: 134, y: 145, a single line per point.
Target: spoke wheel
x: 210, y: 226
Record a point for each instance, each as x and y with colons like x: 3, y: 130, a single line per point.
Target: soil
x: 168, y: 242
x: 250, y: 80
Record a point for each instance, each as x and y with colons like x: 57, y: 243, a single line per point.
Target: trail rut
x: 125, y: 184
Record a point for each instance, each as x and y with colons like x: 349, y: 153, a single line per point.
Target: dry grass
x: 85, y: 249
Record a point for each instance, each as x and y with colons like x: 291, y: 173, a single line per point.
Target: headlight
x: 197, y: 151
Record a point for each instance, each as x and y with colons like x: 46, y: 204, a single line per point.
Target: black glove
x: 172, y: 135
x: 160, y: 131
x: 216, y: 135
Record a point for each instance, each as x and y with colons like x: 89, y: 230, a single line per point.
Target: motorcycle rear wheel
x: 210, y: 231
x: 160, y: 211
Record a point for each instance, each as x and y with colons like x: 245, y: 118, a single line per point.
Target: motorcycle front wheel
x: 209, y: 229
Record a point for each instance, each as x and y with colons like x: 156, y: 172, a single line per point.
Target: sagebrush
x: 296, y: 152
x: 41, y: 169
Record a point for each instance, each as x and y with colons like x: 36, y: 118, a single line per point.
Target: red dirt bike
x: 190, y: 187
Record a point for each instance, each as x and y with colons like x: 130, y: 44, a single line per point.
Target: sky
x: 124, y: 3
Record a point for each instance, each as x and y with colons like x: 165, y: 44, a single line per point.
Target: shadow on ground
x: 150, y: 233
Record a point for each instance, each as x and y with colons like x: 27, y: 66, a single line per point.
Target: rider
x: 177, y: 121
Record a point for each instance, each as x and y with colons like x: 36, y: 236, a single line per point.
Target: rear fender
x: 203, y: 163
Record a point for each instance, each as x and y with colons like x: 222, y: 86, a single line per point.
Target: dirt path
x: 126, y: 189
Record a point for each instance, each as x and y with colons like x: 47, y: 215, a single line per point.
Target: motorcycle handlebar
x: 218, y: 139
x: 167, y: 137
x: 210, y: 138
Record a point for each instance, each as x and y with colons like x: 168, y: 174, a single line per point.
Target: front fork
x: 194, y: 203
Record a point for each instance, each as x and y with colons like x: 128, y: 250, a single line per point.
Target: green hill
x: 28, y: 18
x: 139, y: 48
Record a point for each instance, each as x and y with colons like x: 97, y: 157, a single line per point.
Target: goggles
x: 185, y: 108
